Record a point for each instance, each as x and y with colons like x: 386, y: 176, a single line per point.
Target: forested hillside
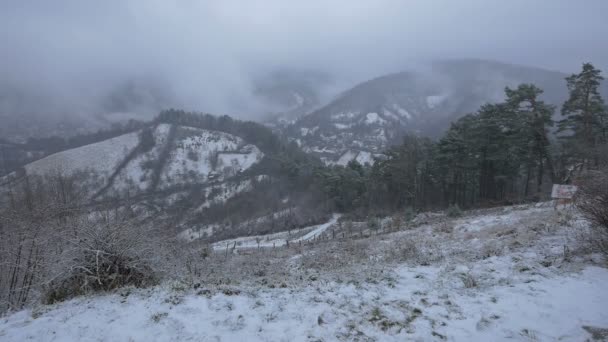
x: 503, y: 153
x: 375, y: 115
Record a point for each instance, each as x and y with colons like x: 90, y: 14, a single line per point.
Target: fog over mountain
x: 313, y: 170
x: 85, y: 59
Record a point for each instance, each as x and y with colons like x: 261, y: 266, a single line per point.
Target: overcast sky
x: 205, y: 52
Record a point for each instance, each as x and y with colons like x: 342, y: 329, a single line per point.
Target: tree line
x: 506, y: 152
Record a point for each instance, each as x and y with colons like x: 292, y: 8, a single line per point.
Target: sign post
x: 563, y: 193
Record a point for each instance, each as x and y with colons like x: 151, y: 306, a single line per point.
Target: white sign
x: 563, y: 191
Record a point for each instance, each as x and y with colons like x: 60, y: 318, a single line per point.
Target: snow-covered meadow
x: 514, y: 274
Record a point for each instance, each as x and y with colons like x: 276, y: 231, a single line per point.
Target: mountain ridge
x: 377, y: 113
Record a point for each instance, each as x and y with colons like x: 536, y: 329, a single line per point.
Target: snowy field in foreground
x: 530, y: 291
x: 543, y: 310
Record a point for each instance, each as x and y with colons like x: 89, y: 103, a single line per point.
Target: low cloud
x: 77, y: 56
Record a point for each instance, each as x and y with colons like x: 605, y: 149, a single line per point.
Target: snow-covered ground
x: 511, y: 274
x: 103, y: 157
x: 406, y: 305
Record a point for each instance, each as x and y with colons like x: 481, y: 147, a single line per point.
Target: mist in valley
x: 428, y: 170
x: 114, y: 60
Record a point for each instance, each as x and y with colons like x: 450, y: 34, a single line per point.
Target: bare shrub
x: 405, y: 250
x: 328, y: 257
x: 31, y: 210
x: 490, y: 249
x: 193, y: 258
x: 54, y: 244
x: 420, y: 251
x: 107, y: 251
x: 592, y: 201
x: 444, y: 227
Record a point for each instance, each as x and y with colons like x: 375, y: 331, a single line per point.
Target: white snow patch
x: 325, y: 149
x: 402, y: 111
x: 387, y: 113
x: 343, y: 115
x: 365, y: 157
x: 435, y: 100
x: 342, y: 126
x: 362, y: 157
x: 372, y: 118
x: 347, y: 157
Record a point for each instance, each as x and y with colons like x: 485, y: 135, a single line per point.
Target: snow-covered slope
x: 506, y: 274
x: 178, y: 156
x: 102, y: 157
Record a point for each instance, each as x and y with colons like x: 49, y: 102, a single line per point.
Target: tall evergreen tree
x: 457, y: 159
x: 407, y: 172
x: 585, y: 115
x: 535, y: 117
x: 498, y: 150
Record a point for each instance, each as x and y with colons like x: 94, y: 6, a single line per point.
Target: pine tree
x: 457, y: 161
x: 406, y: 176
x: 585, y: 115
x: 498, y: 150
x: 535, y: 118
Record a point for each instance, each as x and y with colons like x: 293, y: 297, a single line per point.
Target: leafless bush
x: 417, y: 250
x: 54, y: 244
x: 445, y: 227
x: 105, y: 252
x: 31, y: 210
x: 592, y: 201
x: 405, y: 250
x: 490, y: 249
x: 332, y: 256
x: 193, y: 259
x: 22, y: 249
